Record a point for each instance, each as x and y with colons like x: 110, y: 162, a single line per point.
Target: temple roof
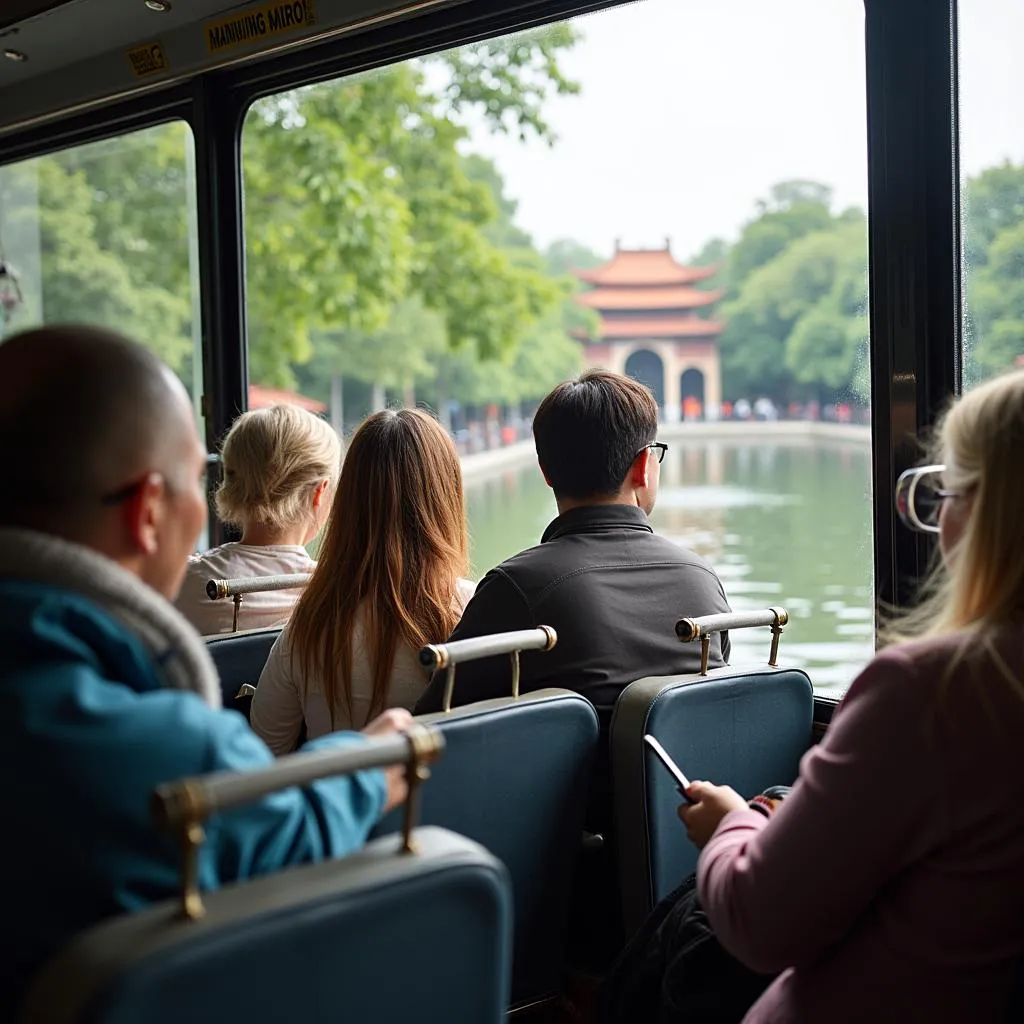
x: 644, y: 268
x: 659, y: 327
x: 667, y: 297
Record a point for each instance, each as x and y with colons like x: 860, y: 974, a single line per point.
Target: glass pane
x: 992, y: 165
x: 465, y: 230
x: 105, y: 234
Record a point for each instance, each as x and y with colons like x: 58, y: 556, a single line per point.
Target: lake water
x: 785, y: 523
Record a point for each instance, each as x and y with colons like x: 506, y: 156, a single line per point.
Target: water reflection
x: 785, y: 524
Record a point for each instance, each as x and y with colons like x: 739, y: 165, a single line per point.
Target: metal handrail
x: 183, y: 806
x: 217, y: 590
x: 236, y: 589
x: 702, y: 628
x: 447, y: 656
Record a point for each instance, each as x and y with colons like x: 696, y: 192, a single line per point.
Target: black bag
x: 675, y: 972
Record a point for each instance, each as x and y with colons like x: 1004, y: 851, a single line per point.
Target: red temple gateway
x: 652, y: 329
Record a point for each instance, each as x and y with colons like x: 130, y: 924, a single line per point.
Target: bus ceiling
x: 78, y: 54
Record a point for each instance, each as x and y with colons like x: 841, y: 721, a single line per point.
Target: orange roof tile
x: 662, y: 327
x: 260, y: 397
x: 668, y: 297
x: 644, y: 267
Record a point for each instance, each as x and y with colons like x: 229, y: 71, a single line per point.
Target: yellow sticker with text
x: 147, y: 60
x: 259, y: 23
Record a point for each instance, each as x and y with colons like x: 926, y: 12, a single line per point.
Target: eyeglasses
x: 919, y: 498
x: 659, y: 446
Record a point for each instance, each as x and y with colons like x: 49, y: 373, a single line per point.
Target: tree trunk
x: 409, y: 395
x: 337, y: 405
x: 378, y: 398
x: 444, y: 412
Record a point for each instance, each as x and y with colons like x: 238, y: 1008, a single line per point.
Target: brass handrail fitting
x: 218, y: 590
x: 435, y: 657
x: 425, y: 746
x: 781, y: 618
x: 183, y: 807
x: 702, y: 628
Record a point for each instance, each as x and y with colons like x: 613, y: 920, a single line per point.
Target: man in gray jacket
x: 612, y: 588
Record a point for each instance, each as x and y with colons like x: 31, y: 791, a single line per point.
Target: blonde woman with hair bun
x: 279, y: 467
x: 889, y: 885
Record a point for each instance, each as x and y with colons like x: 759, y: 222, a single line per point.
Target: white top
x: 282, y: 703
x: 234, y: 560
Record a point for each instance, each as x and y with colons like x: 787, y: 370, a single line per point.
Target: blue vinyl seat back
x: 743, y: 728
x: 240, y: 658
x: 379, y: 936
x: 514, y: 778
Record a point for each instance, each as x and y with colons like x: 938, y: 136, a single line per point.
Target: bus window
x: 673, y: 191
x: 992, y: 166
x: 105, y: 234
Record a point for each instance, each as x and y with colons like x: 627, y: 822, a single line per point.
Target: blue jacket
x: 86, y: 734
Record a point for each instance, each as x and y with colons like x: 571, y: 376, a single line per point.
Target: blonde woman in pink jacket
x: 890, y: 884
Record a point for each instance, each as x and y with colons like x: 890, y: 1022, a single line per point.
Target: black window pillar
x: 218, y: 120
x: 914, y: 239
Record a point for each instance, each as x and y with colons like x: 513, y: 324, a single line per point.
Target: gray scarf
x: 177, y: 652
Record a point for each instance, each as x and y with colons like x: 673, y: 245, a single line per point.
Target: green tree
x: 793, y: 209
x: 994, y: 259
x: 714, y: 253
x: 996, y: 302
x: 92, y: 266
x: 357, y: 194
x: 799, y: 321
x: 393, y: 357
x: 510, y: 78
x: 992, y: 202
x: 566, y: 255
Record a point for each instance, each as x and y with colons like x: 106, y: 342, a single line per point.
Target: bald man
x: 105, y: 690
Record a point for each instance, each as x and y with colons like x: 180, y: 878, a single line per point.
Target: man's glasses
x: 659, y: 446
x: 919, y: 498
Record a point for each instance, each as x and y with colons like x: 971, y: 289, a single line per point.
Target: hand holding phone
x: 682, y: 782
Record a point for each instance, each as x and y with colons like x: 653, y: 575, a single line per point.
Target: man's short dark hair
x: 81, y: 409
x: 589, y: 430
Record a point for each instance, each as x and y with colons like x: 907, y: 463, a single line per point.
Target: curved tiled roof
x: 667, y: 297
x: 658, y: 327
x: 643, y: 268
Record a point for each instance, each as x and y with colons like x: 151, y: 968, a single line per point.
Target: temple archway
x: 647, y: 367
x: 691, y: 393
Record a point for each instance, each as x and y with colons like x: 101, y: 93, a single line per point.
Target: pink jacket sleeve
x: 780, y: 892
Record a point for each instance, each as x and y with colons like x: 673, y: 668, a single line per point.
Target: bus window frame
x: 913, y: 209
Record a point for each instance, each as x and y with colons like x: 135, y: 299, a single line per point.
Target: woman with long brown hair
x: 388, y: 580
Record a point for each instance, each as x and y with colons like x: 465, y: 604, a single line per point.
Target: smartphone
x: 682, y: 782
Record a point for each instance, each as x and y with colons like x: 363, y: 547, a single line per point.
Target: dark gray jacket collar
x: 596, y: 519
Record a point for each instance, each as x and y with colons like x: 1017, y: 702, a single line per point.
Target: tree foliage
x: 100, y: 234
x: 994, y: 257
x: 796, y: 321
x: 398, y: 209
x: 381, y: 249
x: 377, y: 246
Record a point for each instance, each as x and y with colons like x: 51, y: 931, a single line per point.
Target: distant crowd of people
x: 889, y: 884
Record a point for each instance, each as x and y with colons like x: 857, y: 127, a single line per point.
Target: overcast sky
x: 690, y: 111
